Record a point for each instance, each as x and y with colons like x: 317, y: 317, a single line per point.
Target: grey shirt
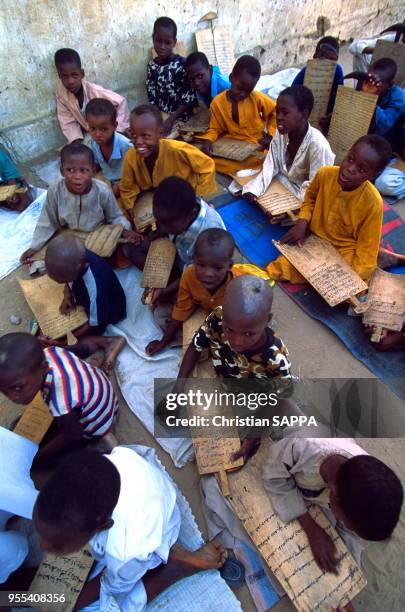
x: 80, y: 212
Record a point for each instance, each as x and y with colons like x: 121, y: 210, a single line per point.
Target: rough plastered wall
x: 113, y: 38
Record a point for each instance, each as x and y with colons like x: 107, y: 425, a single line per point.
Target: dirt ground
x: 315, y: 353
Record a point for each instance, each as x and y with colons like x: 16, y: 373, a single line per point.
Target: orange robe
x: 350, y: 220
x: 256, y: 112
x: 175, y: 158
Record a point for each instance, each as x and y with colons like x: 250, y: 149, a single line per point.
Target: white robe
x: 313, y: 153
x: 146, y: 525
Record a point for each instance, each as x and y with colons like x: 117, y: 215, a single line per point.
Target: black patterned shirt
x: 167, y: 86
x: 271, y: 362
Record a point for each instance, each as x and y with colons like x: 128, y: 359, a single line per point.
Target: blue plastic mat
x: 253, y: 235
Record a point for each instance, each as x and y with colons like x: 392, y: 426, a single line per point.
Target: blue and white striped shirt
x: 74, y: 385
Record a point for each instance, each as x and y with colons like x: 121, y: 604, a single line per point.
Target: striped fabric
x: 73, y: 385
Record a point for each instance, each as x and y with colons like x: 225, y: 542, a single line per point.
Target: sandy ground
x: 315, y: 353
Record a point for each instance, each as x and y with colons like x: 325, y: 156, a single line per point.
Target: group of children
x: 118, y: 503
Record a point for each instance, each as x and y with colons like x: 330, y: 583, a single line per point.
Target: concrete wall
x: 113, y: 38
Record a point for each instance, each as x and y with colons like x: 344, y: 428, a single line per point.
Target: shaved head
x: 20, y: 352
x: 248, y: 297
x: 65, y: 258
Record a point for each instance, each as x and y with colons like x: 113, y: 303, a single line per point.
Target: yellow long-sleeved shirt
x: 350, y: 220
x: 256, y: 112
x: 175, y: 158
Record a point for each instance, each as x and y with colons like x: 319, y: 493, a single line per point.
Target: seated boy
x: 326, y: 48
x: 125, y: 509
x: 241, y: 113
x: 342, y: 206
x: 74, y: 92
x: 360, y: 495
x: 89, y: 282
x: 202, y: 284
x: 240, y: 342
x: 182, y: 216
x: 391, y: 101
x: 109, y: 147
x: 297, y: 150
x: 154, y: 158
x: 77, y: 201
x: 206, y: 80
x: 166, y: 80
x: 79, y: 396
x: 237, y: 335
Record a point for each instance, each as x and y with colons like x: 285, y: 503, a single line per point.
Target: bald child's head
x: 246, y: 312
x: 65, y: 258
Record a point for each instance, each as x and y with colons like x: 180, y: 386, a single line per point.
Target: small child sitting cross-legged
x: 360, y: 495
x: 202, y: 284
x: 79, y: 396
x: 77, y: 201
x: 89, y: 282
x: 125, y: 509
x: 239, y: 340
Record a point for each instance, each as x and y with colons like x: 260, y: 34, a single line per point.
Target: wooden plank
x: 103, y: 241
x: 44, y: 297
x: 351, y: 119
x: 322, y: 266
x: 285, y: 548
x: 217, y: 45
x: 35, y: 420
x: 191, y: 325
x: 143, y: 211
x: 277, y: 200
x: 63, y: 575
x: 319, y: 77
x: 386, y: 301
x: 199, y: 122
x: 395, y: 51
x: 158, y: 264
x: 237, y: 150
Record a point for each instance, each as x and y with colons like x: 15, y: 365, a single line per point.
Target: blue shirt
x: 389, y: 115
x: 338, y: 80
x: 113, y: 167
x: 8, y: 170
x: 219, y: 82
x: 99, y: 291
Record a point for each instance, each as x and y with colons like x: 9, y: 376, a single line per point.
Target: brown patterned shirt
x: 271, y: 362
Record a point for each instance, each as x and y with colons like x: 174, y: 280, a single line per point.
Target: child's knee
x: 391, y: 182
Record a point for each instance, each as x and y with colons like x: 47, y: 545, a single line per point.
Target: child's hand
x: 265, y: 141
x: 248, y: 448
x: 296, y: 234
x: 154, y: 347
x: 116, y: 189
x: 132, y: 237
x: 207, y: 147
x: 372, y: 85
x: 67, y: 305
x: 26, y: 257
x: 323, y: 549
x: 251, y: 197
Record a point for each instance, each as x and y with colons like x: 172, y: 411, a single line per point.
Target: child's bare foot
x: 113, y: 346
x: 209, y: 556
x: 387, y: 258
x: 96, y: 359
